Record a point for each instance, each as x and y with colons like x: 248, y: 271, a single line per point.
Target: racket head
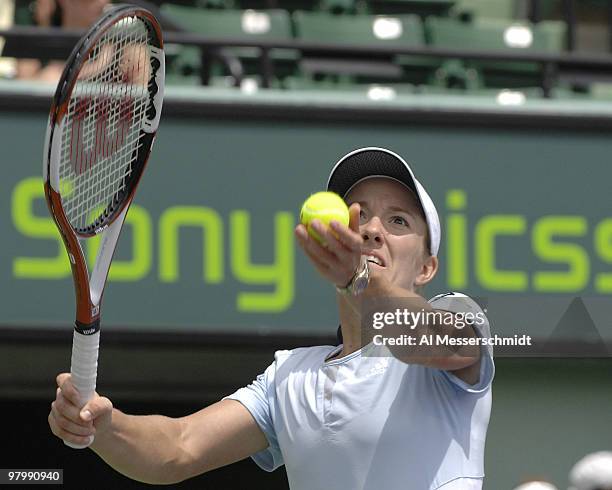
x: 102, y: 125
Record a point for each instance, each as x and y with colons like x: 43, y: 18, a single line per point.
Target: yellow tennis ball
x: 324, y: 206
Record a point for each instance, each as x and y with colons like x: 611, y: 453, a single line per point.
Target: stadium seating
x: 419, y: 7
x: 341, y: 6
x: 453, y: 74
x: 481, y: 25
x: 485, y: 9
x: 374, y: 91
x: 246, y: 24
x: 215, y: 4
x: 494, y: 34
x: 237, y: 24
x: 363, y: 30
x: 500, y: 35
x: 401, y: 30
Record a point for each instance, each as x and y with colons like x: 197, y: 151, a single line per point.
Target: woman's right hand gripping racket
x: 102, y: 124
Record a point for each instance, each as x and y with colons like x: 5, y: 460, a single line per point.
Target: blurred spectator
x: 7, y: 14
x: 80, y: 14
x: 593, y: 472
x: 71, y: 14
x: 46, y: 13
x: 536, y: 485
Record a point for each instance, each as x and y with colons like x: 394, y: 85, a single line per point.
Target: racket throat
x: 108, y: 243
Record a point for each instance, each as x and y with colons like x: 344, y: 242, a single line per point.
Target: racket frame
x: 89, y: 289
x: 89, y: 292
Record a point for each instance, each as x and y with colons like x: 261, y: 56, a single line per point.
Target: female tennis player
x: 352, y: 416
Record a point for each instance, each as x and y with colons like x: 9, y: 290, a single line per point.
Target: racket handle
x: 84, y: 369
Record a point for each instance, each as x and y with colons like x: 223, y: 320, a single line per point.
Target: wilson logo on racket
x: 111, y: 120
x: 153, y: 89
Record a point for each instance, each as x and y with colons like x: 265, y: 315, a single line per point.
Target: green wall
x: 228, y: 184
x: 209, y: 240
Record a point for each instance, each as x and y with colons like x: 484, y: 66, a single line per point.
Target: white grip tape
x: 84, y: 369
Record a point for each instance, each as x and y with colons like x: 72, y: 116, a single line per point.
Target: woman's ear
x: 429, y: 269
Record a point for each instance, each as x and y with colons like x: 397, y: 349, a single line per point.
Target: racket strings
x: 103, y: 125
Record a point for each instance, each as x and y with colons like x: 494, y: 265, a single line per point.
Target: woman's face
x: 394, y: 230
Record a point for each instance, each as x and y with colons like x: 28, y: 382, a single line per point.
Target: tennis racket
x: 102, y: 124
